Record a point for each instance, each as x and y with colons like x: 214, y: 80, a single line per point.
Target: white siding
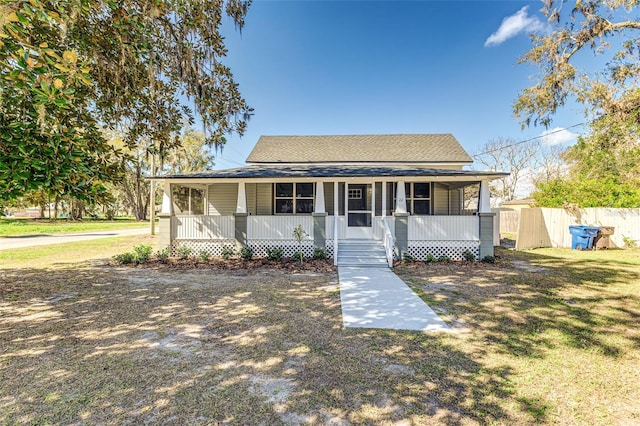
x: 277, y: 227
x: 444, y: 228
x: 222, y: 199
x: 202, y: 227
x: 342, y: 227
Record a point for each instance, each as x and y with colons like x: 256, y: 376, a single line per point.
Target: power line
x: 544, y: 135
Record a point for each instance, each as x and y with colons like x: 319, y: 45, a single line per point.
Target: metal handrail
x: 389, y: 242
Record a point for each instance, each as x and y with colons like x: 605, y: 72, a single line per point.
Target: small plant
x: 227, y: 252
x: 319, y: 253
x: 275, y: 253
x: 430, y: 258
x: 246, y: 253
x: 629, y: 242
x: 203, y: 255
x: 444, y: 259
x: 298, y: 256
x: 300, y: 234
x: 163, y: 255
x: 142, y: 253
x: 489, y: 259
x: 183, y: 252
x: 407, y: 258
x: 124, y: 258
x: 468, y: 256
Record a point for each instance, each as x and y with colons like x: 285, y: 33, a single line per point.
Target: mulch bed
x: 254, y: 265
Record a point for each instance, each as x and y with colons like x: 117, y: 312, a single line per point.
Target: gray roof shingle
x: 334, y: 171
x: 417, y: 148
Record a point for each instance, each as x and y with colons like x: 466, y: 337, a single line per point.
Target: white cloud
x: 513, y: 25
x: 557, y: 136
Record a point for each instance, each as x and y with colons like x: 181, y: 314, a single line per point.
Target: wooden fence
x: 546, y: 227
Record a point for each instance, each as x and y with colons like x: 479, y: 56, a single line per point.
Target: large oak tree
x: 69, y: 68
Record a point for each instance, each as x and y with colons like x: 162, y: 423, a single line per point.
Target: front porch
x: 419, y: 217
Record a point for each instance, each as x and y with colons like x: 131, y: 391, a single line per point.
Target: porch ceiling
x: 335, y: 171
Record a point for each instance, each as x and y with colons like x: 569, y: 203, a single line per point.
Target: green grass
x: 70, y: 254
x: 10, y: 227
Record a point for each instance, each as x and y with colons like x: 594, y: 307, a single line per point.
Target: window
x: 187, y: 201
x: 292, y: 198
x: 418, y: 195
x: 355, y: 194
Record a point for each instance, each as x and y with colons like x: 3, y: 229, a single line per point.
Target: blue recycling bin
x: 582, y: 237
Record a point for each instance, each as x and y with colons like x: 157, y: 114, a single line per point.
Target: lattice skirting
x: 214, y: 247
x: 211, y: 247
x: 453, y: 249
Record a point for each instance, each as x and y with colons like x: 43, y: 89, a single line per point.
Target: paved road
x: 7, y: 243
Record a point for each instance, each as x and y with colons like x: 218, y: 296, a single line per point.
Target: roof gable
x: 417, y: 148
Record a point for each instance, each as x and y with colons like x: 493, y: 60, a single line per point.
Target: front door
x: 359, y: 202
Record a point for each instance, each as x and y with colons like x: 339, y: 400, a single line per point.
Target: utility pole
x: 152, y: 196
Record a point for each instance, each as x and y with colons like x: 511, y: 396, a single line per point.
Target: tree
x: 508, y: 155
x: 70, y: 65
x: 591, y: 24
x: 608, y: 156
x: 192, y: 154
x: 49, y: 140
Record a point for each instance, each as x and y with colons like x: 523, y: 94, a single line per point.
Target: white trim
x: 360, y: 179
x: 241, y: 204
x: 166, y: 198
x: 319, y: 206
x: 401, y: 198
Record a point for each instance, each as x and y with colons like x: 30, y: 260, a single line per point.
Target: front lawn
x: 13, y: 227
x: 550, y: 337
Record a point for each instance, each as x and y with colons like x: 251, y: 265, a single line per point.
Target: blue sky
x: 352, y: 67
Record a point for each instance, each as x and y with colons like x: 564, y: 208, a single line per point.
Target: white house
x: 408, y: 193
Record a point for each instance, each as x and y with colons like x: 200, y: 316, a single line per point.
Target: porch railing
x: 444, y: 228
x: 389, y: 242
x: 203, y: 227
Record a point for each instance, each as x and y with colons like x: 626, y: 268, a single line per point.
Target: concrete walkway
x: 7, y: 243
x: 378, y: 298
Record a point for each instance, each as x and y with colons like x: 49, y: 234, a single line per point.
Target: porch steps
x: 363, y: 253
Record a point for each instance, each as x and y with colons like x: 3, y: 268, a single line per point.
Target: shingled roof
x: 421, y: 148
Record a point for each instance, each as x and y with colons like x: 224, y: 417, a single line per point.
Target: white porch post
x: 241, y: 205
x: 373, y: 201
x: 336, y: 199
x: 401, y: 198
x: 384, y: 199
x: 166, y: 199
x: 319, y: 202
x: 484, y: 203
x: 165, y: 228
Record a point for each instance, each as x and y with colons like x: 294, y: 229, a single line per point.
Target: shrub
x: 298, y: 256
x: 275, y: 253
x: 163, y: 255
x: 246, y: 253
x: 227, y: 252
x: 183, y: 252
x: 203, y: 255
x: 406, y: 257
x: 124, y: 258
x: 142, y: 253
x: 444, y: 258
x: 468, y: 256
x: 319, y: 253
x: 489, y: 259
x: 430, y: 258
